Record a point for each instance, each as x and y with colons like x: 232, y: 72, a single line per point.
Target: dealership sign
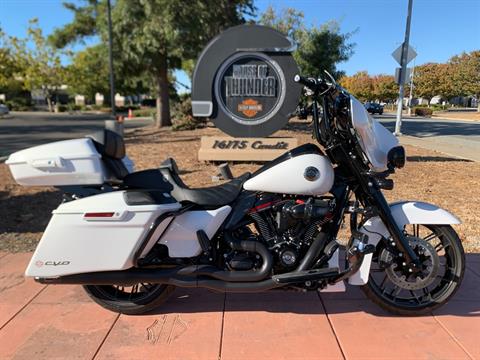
x: 241, y: 81
x: 222, y: 148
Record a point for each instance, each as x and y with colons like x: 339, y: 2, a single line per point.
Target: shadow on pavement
x: 465, y: 303
x: 435, y: 158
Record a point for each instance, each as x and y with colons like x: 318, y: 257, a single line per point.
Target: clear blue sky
x: 440, y: 28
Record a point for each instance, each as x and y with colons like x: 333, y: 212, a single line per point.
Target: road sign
x: 397, y: 54
x: 408, y: 74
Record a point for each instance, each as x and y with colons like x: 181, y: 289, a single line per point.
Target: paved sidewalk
x: 60, y: 322
x: 463, y: 148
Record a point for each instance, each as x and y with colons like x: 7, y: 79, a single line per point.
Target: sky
x: 439, y: 29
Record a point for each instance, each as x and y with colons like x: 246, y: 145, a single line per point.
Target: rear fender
x: 404, y: 213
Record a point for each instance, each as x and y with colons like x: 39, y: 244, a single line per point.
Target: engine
x: 287, y: 226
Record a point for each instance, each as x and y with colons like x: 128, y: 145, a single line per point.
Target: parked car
x: 374, y: 108
x: 3, y: 109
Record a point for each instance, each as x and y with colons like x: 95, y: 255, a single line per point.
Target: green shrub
x: 182, y: 118
x: 437, y: 107
x: 19, y: 104
x: 63, y: 108
x: 126, y: 108
x: 144, y: 113
x: 422, y: 111
x: 70, y: 107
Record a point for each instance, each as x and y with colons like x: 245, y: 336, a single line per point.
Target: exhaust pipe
x: 188, y: 276
x: 175, y: 276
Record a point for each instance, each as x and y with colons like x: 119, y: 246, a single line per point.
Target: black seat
x: 211, y: 196
x: 112, y: 149
x: 151, y: 179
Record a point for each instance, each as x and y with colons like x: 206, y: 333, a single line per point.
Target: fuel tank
x: 304, y: 170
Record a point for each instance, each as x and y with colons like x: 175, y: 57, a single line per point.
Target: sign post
x: 405, y: 54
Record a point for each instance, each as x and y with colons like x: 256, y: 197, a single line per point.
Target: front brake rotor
x: 398, y: 271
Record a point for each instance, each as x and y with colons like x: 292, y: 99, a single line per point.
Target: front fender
x: 404, y: 213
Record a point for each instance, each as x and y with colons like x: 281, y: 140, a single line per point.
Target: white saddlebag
x: 69, y: 162
x: 96, y: 233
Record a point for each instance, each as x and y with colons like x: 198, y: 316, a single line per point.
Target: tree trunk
x: 163, y: 104
x: 49, y: 103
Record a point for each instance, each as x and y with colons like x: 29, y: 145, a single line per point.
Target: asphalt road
x: 25, y: 129
x: 454, y: 137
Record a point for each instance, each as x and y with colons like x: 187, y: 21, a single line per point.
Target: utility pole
x: 411, y: 89
x: 112, y: 124
x: 403, y: 70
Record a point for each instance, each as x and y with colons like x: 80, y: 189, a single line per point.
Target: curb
x: 440, y: 117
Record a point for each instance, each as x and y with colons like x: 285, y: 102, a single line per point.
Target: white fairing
x: 404, y: 213
x: 73, y: 243
x: 181, y: 236
x: 288, y: 177
x: 69, y: 162
x: 374, y: 138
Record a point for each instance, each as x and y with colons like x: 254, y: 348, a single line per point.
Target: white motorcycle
x: 130, y: 237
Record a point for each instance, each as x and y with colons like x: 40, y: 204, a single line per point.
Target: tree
x: 359, y: 85
x: 432, y: 79
x: 88, y: 72
x: 153, y: 37
x: 465, y: 74
x: 319, y: 48
x: 385, y: 88
x: 40, y: 65
x: 8, y: 65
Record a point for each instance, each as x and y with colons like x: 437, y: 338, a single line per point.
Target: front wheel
x: 398, y: 291
x: 132, y: 300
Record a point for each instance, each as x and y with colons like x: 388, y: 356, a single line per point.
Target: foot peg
x: 355, y: 256
x: 296, y: 277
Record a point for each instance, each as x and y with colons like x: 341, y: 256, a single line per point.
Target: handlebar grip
x: 310, y: 83
x: 316, y: 85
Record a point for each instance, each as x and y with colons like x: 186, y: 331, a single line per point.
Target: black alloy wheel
x: 393, y: 287
x: 132, y: 300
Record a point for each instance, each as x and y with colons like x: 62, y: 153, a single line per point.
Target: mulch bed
x: 430, y: 176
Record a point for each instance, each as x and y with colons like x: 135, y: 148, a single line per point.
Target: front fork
x: 399, y: 240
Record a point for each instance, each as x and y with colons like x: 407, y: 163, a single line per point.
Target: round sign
x: 250, y: 88
x: 243, y: 81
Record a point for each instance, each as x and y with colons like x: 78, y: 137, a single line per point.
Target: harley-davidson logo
x: 249, y: 107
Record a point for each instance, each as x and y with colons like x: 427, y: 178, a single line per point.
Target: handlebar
x: 315, y: 85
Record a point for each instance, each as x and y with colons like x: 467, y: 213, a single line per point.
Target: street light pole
x: 110, y: 59
x: 403, y: 70
x: 112, y: 124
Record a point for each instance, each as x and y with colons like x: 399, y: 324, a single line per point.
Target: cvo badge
x: 250, y: 107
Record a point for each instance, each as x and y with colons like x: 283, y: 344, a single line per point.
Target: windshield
x: 374, y: 139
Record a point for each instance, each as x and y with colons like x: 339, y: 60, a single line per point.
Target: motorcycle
x: 131, y: 237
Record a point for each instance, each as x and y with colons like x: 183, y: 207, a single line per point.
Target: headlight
x: 396, y: 157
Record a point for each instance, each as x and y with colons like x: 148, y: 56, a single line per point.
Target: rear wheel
x: 399, y: 291
x: 132, y: 300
